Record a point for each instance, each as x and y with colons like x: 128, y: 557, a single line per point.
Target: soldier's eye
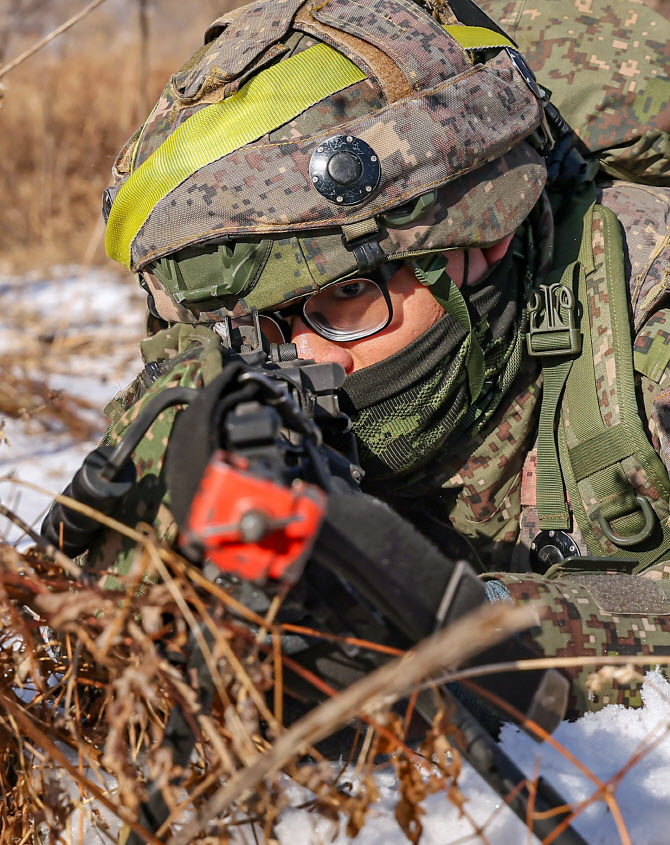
x: 350, y: 290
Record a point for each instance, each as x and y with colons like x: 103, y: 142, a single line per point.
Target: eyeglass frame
x: 384, y: 273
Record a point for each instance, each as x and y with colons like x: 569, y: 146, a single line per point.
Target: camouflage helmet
x: 309, y: 140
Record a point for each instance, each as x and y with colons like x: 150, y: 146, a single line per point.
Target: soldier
x: 388, y: 182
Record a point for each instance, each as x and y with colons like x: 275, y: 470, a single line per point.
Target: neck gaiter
x: 452, y: 377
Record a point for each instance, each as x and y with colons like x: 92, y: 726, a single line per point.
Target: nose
x: 312, y: 345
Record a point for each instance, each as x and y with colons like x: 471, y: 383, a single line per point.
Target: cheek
x: 414, y: 311
x: 455, y: 265
x: 494, y: 253
x: 413, y: 314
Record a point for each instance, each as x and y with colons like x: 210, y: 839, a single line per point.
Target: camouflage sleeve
x: 652, y: 362
x: 182, y: 356
x: 593, y: 614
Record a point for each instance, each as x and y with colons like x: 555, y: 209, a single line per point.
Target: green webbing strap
x: 556, y: 342
x: 552, y: 506
x: 270, y: 99
x: 594, y: 458
x: 431, y: 272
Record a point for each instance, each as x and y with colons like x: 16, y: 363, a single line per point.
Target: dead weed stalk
x: 89, y: 677
x: 30, y: 398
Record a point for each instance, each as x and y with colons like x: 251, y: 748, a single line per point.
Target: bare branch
x: 61, y: 559
x: 47, y: 39
x: 382, y: 687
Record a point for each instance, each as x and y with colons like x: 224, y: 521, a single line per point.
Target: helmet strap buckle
x: 362, y: 239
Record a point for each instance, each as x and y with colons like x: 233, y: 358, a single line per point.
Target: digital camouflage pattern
x: 264, y: 188
x: 437, y: 119
x: 484, y: 486
x: 488, y: 481
x: 607, y: 65
x: 316, y: 260
x: 190, y: 357
x: 597, y: 614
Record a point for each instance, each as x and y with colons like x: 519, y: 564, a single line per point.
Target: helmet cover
x: 302, y: 130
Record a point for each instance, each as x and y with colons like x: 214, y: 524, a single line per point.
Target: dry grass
x: 63, y: 121
x: 44, y: 346
x: 28, y: 398
x: 91, y: 698
x: 88, y: 678
x: 67, y: 110
x: 66, y: 113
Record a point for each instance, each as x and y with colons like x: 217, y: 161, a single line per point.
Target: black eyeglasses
x: 349, y: 310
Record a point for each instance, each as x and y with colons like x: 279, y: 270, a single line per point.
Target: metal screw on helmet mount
x: 345, y: 168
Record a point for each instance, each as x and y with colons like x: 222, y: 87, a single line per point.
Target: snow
x: 605, y: 742
x: 98, y: 312
x: 71, y: 304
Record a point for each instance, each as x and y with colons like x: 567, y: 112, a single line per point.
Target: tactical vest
x: 592, y: 483
x: 594, y: 411
x: 599, y: 454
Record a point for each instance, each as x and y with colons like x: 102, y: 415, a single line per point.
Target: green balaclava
x: 449, y: 379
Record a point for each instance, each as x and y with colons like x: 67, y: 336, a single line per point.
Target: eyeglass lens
x: 347, y: 311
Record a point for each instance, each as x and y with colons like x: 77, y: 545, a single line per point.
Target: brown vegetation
x: 92, y: 701
x: 67, y: 110
x: 43, y: 346
x: 89, y: 676
x: 97, y: 673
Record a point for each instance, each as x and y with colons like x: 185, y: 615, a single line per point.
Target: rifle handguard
x: 417, y: 589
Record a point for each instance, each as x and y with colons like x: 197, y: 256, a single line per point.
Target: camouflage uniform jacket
x: 488, y: 496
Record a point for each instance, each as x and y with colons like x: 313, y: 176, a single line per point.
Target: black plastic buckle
x: 367, y: 252
x: 547, y: 308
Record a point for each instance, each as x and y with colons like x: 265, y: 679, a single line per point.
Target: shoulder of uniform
x: 644, y: 214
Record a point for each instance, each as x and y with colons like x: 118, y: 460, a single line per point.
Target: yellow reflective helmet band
x: 269, y: 100
x: 478, y: 37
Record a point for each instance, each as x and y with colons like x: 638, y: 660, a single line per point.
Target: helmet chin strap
x: 431, y: 271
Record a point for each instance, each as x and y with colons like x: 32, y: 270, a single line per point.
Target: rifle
x: 264, y: 482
